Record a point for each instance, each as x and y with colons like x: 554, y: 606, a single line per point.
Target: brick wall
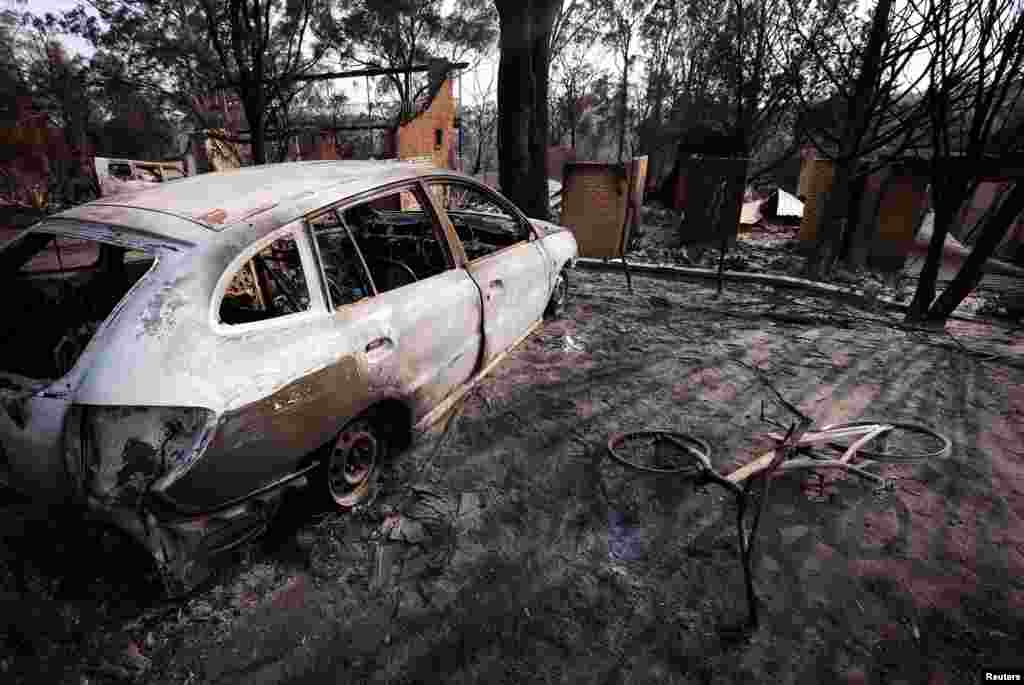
x: 419, y: 137
x: 325, y: 147
x: 896, y: 219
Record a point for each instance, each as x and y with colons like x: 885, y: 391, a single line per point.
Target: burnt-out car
x: 175, y: 359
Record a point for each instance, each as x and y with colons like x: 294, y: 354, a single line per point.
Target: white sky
x: 41, y: 7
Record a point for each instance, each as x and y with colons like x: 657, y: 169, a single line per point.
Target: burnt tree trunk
x: 831, y: 224
x: 867, y: 223
x: 925, y: 292
x: 523, y: 101
x: 971, y: 272
x: 572, y: 113
x: 478, y: 163
x: 623, y: 103
x: 255, y: 115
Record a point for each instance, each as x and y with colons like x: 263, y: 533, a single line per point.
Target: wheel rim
x: 905, y: 443
x: 352, y: 467
x: 692, y: 455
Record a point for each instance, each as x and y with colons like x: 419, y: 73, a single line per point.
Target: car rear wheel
x: 559, y: 296
x: 354, y: 462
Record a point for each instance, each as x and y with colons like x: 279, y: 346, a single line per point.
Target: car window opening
x: 120, y: 170
x: 483, y: 225
x: 269, y: 285
x: 59, y: 290
x: 343, y: 268
x: 398, y: 241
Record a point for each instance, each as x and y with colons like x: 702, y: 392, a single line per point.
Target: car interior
x: 483, y: 225
x: 347, y: 280
x: 269, y: 285
x: 396, y: 242
x: 66, y: 287
x: 397, y: 239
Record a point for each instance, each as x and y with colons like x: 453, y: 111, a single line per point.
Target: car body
x: 182, y: 355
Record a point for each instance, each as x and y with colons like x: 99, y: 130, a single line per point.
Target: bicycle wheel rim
x: 693, y: 455
x: 906, y: 443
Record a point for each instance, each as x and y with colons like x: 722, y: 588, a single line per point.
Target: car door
x: 504, y: 258
x: 421, y: 314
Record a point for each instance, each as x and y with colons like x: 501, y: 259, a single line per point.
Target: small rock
x: 201, y: 609
x: 770, y: 564
x: 793, y: 533
x: 570, y: 344
x: 408, y: 530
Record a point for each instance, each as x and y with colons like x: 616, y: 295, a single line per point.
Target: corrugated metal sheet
x: 788, y: 206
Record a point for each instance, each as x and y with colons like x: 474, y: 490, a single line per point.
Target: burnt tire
x: 559, y: 296
x: 352, y: 464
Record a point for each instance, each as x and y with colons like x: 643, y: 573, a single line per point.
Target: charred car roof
x: 189, y: 209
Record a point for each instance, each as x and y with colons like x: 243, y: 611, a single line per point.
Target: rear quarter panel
x: 279, y: 390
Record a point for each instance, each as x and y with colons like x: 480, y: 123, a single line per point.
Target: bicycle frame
x: 741, y: 481
x: 862, y: 434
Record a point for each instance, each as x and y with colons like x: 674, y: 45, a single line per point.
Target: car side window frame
x: 452, y: 248
x: 490, y: 194
x: 318, y: 256
x: 310, y: 271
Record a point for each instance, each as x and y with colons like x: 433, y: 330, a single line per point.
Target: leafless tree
x: 402, y: 34
x: 573, y: 75
x: 874, y: 102
x: 744, y: 64
x: 974, y: 82
x: 480, y: 121
x: 575, y: 26
x: 624, y: 18
x: 184, y: 49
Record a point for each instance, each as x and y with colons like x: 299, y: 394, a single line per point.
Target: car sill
x: 435, y: 414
